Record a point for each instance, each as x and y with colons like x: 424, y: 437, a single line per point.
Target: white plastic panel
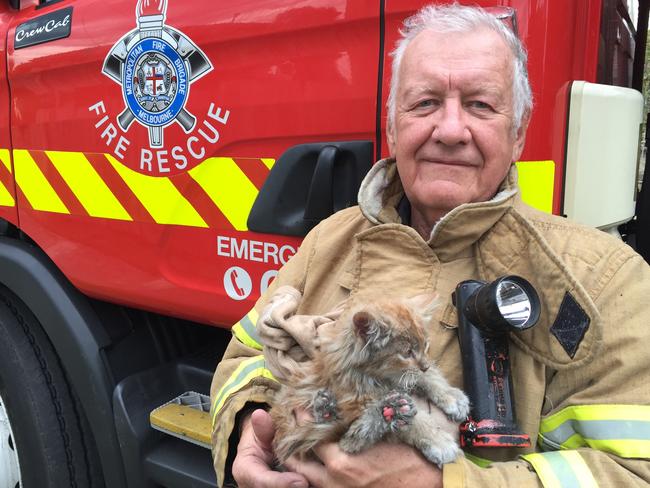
x: 602, y: 149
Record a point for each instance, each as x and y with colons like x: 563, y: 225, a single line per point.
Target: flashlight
x: 487, y: 312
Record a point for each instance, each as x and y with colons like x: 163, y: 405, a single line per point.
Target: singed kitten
x: 371, y: 379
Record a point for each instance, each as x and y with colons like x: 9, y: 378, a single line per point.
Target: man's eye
x: 425, y: 103
x: 480, y: 105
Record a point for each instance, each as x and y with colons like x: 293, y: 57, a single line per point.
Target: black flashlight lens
x: 509, y: 303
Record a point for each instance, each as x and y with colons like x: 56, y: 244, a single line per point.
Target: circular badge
x: 237, y: 283
x: 154, y: 82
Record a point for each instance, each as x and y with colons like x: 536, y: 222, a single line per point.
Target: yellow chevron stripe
x: 32, y: 182
x: 6, y: 198
x: 228, y: 187
x: 6, y: 160
x: 87, y: 185
x: 160, y: 197
x: 268, y: 162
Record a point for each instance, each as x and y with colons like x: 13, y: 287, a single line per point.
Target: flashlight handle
x: 486, y: 377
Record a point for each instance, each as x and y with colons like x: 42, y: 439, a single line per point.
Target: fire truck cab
x: 160, y: 160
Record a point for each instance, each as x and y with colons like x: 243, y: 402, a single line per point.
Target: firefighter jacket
x: 580, y: 375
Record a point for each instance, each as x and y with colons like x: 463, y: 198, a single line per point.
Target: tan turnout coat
x: 365, y: 252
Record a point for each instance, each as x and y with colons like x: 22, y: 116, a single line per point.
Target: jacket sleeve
x: 241, y: 377
x: 595, y: 427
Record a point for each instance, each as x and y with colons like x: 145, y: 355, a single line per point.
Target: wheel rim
x: 9, y: 464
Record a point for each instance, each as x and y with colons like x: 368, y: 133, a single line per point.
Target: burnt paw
x: 397, y: 409
x: 325, y: 408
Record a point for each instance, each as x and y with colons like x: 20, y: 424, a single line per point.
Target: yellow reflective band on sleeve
x: 562, y: 469
x: 537, y: 181
x: 34, y: 185
x: 246, y: 331
x: 246, y: 372
x: 479, y: 461
x: 623, y: 430
x: 228, y: 187
x: 87, y: 185
x: 160, y: 197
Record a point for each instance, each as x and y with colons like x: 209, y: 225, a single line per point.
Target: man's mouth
x: 447, y: 161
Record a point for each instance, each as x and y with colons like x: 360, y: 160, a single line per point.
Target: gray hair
x: 458, y: 18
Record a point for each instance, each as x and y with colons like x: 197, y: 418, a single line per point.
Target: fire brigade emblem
x: 155, y: 64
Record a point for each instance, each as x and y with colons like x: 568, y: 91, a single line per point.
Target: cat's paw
x: 444, y: 450
x: 455, y: 404
x: 325, y: 407
x: 397, y: 409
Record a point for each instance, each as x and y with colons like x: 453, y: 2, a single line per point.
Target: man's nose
x: 450, y: 125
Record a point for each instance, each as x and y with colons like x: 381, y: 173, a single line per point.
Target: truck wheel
x: 9, y: 467
x: 46, y: 441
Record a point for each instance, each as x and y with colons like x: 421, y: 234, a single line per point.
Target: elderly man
x: 445, y: 208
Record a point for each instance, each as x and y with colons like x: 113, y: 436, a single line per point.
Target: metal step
x: 187, y: 417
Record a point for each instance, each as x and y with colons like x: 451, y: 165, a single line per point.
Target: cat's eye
x: 406, y: 353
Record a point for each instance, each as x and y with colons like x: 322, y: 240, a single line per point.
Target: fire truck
x: 160, y: 160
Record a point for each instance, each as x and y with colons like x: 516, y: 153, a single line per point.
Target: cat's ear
x: 362, y: 321
x: 424, y: 305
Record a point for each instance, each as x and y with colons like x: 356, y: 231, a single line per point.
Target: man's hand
x: 252, y: 465
x: 383, y: 465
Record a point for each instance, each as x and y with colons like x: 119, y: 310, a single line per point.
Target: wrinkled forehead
x: 481, y: 56
x: 479, y: 46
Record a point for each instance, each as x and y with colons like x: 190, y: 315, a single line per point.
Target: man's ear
x: 391, y: 137
x: 520, y: 137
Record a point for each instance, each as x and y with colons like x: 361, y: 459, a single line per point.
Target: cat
x: 371, y: 379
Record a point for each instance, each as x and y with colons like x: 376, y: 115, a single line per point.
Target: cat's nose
x: 424, y: 366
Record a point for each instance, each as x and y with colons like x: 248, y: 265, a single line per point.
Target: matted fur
x: 366, y: 382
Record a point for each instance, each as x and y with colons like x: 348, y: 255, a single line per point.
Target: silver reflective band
x: 513, y: 303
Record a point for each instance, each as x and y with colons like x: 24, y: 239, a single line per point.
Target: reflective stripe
x: 228, y: 187
x: 6, y: 198
x: 34, y: 185
x: 268, y: 162
x: 562, y: 469
x: 479, y: 461
x: 246, y: 331
x: 185, y: 199
x: 6, y: 160
x: 537, y: 182
x: 247, y: 371
x: 623, y: 430
x: 160, y: 197
x: 87, y: 185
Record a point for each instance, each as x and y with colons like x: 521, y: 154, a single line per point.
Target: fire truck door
x: 143, y: 132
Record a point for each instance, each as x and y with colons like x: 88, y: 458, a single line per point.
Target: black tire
x: 52, y: 438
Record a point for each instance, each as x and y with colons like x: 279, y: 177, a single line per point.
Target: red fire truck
x: 160, y: 160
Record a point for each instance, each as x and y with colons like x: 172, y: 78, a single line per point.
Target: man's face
x: 453, y: 132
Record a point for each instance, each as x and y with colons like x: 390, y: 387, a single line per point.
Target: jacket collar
x: 501, y: 241
x: 381, y: 192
